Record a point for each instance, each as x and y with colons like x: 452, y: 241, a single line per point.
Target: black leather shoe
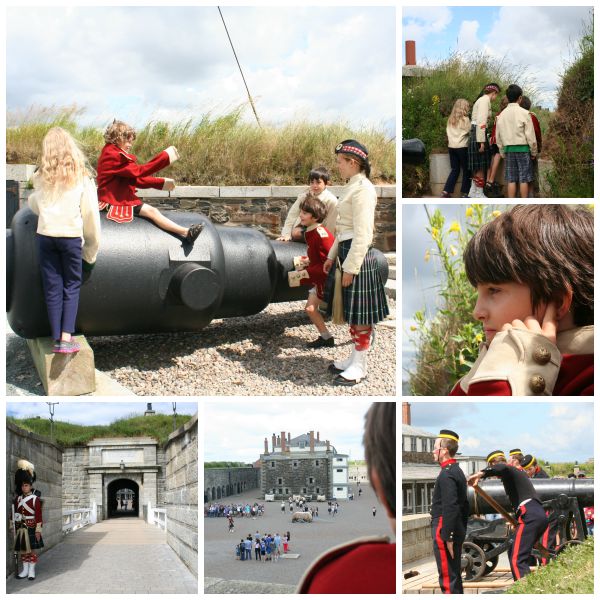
x: 339, y: 380
x: 333, y: 369
x: 321, y: 343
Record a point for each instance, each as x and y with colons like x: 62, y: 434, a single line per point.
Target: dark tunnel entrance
x: 123, y: 499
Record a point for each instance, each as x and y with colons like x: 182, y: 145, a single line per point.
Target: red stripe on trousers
x: 442, y: 548
x: 545, y: 539
x: 515, y: 555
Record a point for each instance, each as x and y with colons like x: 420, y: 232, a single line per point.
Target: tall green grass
x: 157, y: 426
x: 215, y: 150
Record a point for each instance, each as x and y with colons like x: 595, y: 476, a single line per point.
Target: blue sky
x: 175, y: 62
x: 93, y: 413
x: 554, y: 431
x: 538, y: 41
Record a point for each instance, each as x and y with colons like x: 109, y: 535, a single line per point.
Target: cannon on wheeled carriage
x: 486, y: 540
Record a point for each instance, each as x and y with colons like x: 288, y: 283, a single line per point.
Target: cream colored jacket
x: 74, y: 213
x: 458, y: 136
x: 356, y: 221
x: 482, y: 112
x: 293, y: 217
x: 515, y: 128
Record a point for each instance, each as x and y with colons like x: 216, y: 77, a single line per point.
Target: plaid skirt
x: 364, y: 300
x: 518, y: 167
x: 478, y: 161
x: 25, y: 540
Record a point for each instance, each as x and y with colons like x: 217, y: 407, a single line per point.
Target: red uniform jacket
x: 538, y: 131
x: 319, y: 241
x: 575, y: 375
x: 30, y: 508
x: 359, y: 567
x: 119, y: 175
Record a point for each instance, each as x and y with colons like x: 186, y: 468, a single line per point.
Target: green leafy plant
x: 447, y: 342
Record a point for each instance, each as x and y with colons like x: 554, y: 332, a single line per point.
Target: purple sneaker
x: 68, y: 347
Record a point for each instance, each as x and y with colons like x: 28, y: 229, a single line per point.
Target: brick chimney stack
x: 327, y: 442
x: 312, y: 441
x: 406, y: 413
x: 273, y: 440
x: 411, y: 53
x: 266, y: 446
x: 283, y: 446
x: 289, y: 439
x: 318, y: 436
x: 278, y: 442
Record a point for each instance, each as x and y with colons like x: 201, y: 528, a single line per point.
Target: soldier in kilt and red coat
x: 27, y: 519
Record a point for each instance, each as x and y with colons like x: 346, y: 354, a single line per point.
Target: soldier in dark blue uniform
x: 530, y: 465
x: 530, y: 514
x: 514, y: 457
x: 449, y: 513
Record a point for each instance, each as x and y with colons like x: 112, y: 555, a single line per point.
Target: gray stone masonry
x: 76, y: 481
x: 262, y: 207
x: 46, y: 457
x: 220, y: 483
x: 416, y: 538
x: 181, y: 493
x: 297, y: 473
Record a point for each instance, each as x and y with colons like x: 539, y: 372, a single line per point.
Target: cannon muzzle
x: 547, y: 489
x: 413, y: 152
x: 148, y: 281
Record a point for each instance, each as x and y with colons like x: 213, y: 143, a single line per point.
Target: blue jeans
x: 60, y: 265
x: 458, y: 160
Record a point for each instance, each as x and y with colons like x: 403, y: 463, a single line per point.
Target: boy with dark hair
x: 449, y: 513
x: 318, y: 179
x: 309, y: 268
x: 368, y: 565
x: 530, y: 514
x: 533, y: 267
x: 516, y: 142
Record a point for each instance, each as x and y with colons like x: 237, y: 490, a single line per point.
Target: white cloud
x: 170, y: 62
x: 470, y: 443
x: 419, y: 22
x: 468, y: 40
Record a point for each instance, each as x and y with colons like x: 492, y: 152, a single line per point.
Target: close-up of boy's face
x: 306, y: 218
x: 316, y: 186
x: 501, y: 303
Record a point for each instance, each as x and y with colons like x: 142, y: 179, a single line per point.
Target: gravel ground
x: 259, y: 355
x: 309, y: 540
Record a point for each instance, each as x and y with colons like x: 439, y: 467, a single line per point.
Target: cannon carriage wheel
x: 472, y: 562
x: 490, y: 563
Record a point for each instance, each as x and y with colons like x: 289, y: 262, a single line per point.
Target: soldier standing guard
x: 449, y: 513
x: 28, y: 518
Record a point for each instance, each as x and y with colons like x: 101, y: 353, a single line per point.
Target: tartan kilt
x: 21, y: 543
x: 365, y: 302
x: 478, y: 161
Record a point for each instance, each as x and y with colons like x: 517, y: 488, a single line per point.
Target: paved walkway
x: 117, y: 556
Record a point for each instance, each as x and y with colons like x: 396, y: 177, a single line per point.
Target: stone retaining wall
x: 416, y: 538
x: 261, y: 207
x: 46, y: 457
x: 76, y: 480
x: 181, y: 452
x: 220, y: 483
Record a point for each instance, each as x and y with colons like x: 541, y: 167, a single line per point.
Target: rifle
x: 541, y: 549
x: 15, y: 553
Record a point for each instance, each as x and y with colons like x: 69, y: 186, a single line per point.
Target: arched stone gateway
x: 122, y: 499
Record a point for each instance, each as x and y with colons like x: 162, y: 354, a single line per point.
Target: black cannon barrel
x: 413, y: 152
x: 147, y: 281
x: 547, y: 489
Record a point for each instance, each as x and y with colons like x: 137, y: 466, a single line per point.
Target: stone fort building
x: 303, y: 465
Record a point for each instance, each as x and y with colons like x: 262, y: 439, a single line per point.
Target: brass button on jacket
x: 541, y: 355
x: 537, y: 384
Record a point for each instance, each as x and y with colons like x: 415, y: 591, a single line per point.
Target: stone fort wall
x: 295, y: 474
x: 181, y: 492
x: 220, y: 483
x: 46, y: 457
x: 261, y: 207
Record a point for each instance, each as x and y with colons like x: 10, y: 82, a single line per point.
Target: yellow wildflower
x: 427, y: 255
x: 469, y: 211
x: 496, y: 213
x: 454, y: 227
x: 413, y: 328
x: 435, y: 99
x: 479, y: 338
x: 435, y: 232
x: 453, y: 251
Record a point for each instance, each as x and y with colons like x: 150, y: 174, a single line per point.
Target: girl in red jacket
x: 119, y: 174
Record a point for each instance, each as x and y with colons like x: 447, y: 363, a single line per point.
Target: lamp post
x: 174, y: 415
x: 51, y: 406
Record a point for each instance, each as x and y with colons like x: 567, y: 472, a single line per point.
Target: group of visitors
x: 267, y: 547
x: 234, y: 510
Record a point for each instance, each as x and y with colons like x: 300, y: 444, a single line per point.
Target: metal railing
x: 157, y: 516
x: 77, y: 518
